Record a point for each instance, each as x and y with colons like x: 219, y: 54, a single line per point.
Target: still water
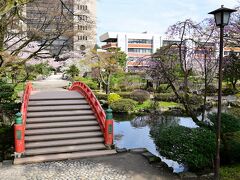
x: 134, y: 132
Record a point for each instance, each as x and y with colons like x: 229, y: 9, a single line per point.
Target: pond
x: 134, y: 132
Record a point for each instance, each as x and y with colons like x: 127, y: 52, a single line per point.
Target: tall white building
x: 74, y: 19
x: 135, y: 45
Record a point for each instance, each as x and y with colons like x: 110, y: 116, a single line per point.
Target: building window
x: 82, y: 28
x: 82, y: 7
x: 82, y: 38
x: 140, y: 50
x: 140, y: 41
x: 226, y: 53
x: 82, y: 18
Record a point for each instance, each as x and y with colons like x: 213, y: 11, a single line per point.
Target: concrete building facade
x: 135, y: 45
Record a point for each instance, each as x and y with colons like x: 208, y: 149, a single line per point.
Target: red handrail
x: 94, y: 103
x: 25, y: 100
x: 19, y: 129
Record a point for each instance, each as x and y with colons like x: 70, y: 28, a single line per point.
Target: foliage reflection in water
x: 134, y: 132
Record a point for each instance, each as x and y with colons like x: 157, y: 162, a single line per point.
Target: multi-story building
x: 135, y: 45
x: 71, y: 22
x: 228, y: 50
x: 138, y: 47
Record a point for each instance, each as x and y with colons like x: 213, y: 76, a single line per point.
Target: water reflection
x: 134, y: 132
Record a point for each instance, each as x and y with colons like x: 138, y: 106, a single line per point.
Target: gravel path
x: 53, y: 82
x: 118, y: 167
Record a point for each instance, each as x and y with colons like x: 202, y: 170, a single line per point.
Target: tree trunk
x: 234, y: 82
x: 108, y: 84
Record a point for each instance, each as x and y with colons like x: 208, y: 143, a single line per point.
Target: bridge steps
x: 61, y: 125
x: 63, y: 156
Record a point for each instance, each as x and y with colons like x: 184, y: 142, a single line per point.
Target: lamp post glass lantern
x: 222, y: 16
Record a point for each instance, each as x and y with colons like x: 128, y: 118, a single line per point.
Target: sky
x: 153, y: 16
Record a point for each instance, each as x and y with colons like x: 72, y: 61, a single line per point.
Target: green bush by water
x: 230, y: 137
x: 192, y: 147
x: 123, y: 105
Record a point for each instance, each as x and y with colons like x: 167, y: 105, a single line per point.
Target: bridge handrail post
x: 19, y: 135
x: 109, y: 128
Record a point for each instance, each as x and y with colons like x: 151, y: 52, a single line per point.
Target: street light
x: 222, y: 16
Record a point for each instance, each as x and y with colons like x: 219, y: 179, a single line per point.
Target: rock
x: 138, y: 150
x: 207, y: 176
x: 151, y: 158
x: 188, y: 175
x: 7, y: 163
x: 121, y: 150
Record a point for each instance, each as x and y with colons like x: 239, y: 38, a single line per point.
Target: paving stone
x: 63, y: 170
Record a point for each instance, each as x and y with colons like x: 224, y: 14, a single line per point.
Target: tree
x: 120, y: 56
x: 231, y: 71
x: 174, y: 61
x: 52, y: 21
x: 72, y: 71
x: 105, y: 64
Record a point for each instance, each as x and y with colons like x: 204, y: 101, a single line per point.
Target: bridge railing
x: 105, y: 122
x: 20, y: 124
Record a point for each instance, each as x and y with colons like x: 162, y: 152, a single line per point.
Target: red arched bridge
x: 59, y: 125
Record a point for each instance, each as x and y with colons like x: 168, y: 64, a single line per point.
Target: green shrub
x: 112, y: 97
x: 230, y: 137
x: 164, y: 88
x: 231, y: 172
x: 192, y: 147
x: 140, y: 95
x: 125, y: 95
x: 168, y: 97
x: 195, y: 99
x: 229, y: 123
x: 231, y: 147
x: 6, y: 143
x: 228, y: 91
x: 211, y: 90
x: 88, y: 81
x: 123, y: 105
x: 101, y: 96
x: 235, y: 112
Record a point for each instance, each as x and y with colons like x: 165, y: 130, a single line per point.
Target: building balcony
x: 139, y: 55
x: 147, y: 46
x: 109, y: 45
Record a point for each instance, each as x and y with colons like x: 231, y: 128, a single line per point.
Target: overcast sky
x: 153, y: 16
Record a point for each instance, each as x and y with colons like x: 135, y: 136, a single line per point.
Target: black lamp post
x: 222, y: 16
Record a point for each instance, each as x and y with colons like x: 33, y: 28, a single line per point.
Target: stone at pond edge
x: 151, y: 158
x: 207, y: 176
x: 188, y: 175
x: 165, y: 166
x: 138, y: 150
x: 121, y: 150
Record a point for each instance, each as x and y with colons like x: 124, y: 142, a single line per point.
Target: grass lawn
x: 230, y: 172
x: 148, y: 104
x: 144, y: 105
x: 168, y: 104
